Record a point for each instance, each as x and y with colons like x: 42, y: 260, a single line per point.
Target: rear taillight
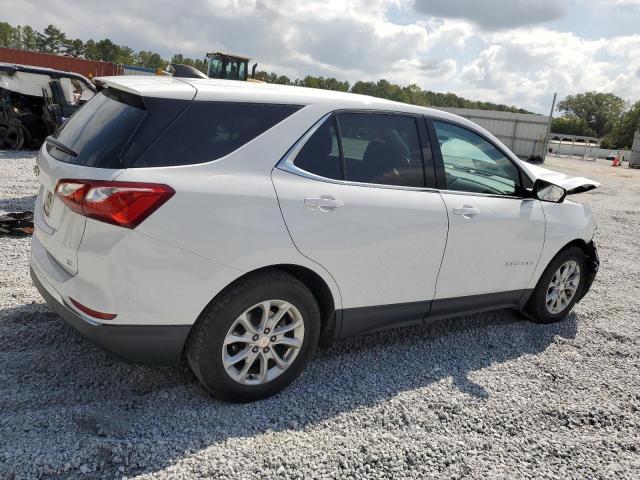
x: 125, y: 204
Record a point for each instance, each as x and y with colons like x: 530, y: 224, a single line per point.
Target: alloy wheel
x: 263, y: 342
x: 563, y: 287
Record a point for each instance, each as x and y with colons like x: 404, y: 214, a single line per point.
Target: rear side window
x: 381, y: 148
x: 99, y: 131
x: 320, y: 154
x: 206, y: 131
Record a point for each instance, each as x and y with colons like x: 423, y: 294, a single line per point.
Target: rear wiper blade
x: 60, y: 146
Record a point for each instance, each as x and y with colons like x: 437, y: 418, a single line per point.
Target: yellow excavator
x: 220, y: 65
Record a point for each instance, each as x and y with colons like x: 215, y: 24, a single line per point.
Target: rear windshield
x: 119, y: 130
x: 99, y: 131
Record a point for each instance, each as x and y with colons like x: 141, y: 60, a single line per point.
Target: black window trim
x: 336, y: 129
x: 286, y: 163
x: 439, y: 162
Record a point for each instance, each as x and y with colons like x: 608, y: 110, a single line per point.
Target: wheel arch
x: 578, y: 242
x: 318, y: 286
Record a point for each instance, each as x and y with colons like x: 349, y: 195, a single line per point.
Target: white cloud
x: 623, y: 3
x: 495, y: 14
x: 438, y: 67
x: 527, y: 66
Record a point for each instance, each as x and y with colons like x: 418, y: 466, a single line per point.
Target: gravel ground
x: 485, y: 396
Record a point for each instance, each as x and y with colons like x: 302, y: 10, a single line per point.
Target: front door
x: 496, y: 234
x: 356, y: 204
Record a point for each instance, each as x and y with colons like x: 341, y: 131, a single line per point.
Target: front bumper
x: 148, y: 344
x: 593, y: 265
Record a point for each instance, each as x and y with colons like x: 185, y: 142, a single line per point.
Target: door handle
x: 324, y: 203
x: 467, y: 211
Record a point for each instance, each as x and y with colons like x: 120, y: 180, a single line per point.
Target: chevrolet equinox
x: 241, y: 225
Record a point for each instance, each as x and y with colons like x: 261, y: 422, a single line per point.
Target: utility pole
x: 546, y: 140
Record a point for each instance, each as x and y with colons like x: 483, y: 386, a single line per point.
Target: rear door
x: 496, y: 231
x: 89, y: 146
x: 353, y: 196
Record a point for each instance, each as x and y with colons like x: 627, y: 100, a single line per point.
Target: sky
x: 517, y: 52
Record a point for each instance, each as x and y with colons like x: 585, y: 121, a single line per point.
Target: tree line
x: 602, y: 115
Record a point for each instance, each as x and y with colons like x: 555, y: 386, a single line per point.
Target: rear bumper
x: 148, y: 344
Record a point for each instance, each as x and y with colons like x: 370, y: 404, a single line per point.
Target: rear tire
x: 269, y: 319
x: 11, y: 135
x: 559, y: 287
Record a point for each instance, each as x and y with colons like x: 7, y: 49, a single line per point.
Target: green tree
x: 600, y: 111
x: 90, y: 50
x: 126, y: 55
x: 52, y: 40
x: 16, y: 37
x: 149, y: 59
x: 629, y: 124
x: 363, y: 88
x: 29, y: 38
x: 108, y: 51
x: 571, y: 125
x: 6, y: 32
x: 75, y: 48
x: 320, y: 82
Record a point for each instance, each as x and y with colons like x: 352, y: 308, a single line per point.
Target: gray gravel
x: 486, y: 396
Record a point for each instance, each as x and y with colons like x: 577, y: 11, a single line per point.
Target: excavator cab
x: 229, y: 67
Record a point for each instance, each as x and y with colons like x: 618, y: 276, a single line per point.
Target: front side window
x: 472, y: 164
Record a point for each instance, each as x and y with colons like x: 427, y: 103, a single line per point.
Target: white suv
x: 242, y: 224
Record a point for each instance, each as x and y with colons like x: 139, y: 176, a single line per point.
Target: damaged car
x: 242, y: 225
x: 35, y: 101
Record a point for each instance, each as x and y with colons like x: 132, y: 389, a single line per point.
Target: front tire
x: 559, y: 287
x: 255, y: 338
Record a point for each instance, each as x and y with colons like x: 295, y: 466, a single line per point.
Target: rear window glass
x: 99, y: 131
x: 320, y: 154
x: 206, y: 131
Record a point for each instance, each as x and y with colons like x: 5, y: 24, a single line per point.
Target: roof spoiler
x: 181, y: 70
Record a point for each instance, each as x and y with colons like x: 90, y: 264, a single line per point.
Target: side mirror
x: 548, y: 192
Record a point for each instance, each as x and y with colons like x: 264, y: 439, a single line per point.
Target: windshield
x: 227, y: 68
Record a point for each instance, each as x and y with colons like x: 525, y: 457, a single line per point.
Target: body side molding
x: 356, y: 321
